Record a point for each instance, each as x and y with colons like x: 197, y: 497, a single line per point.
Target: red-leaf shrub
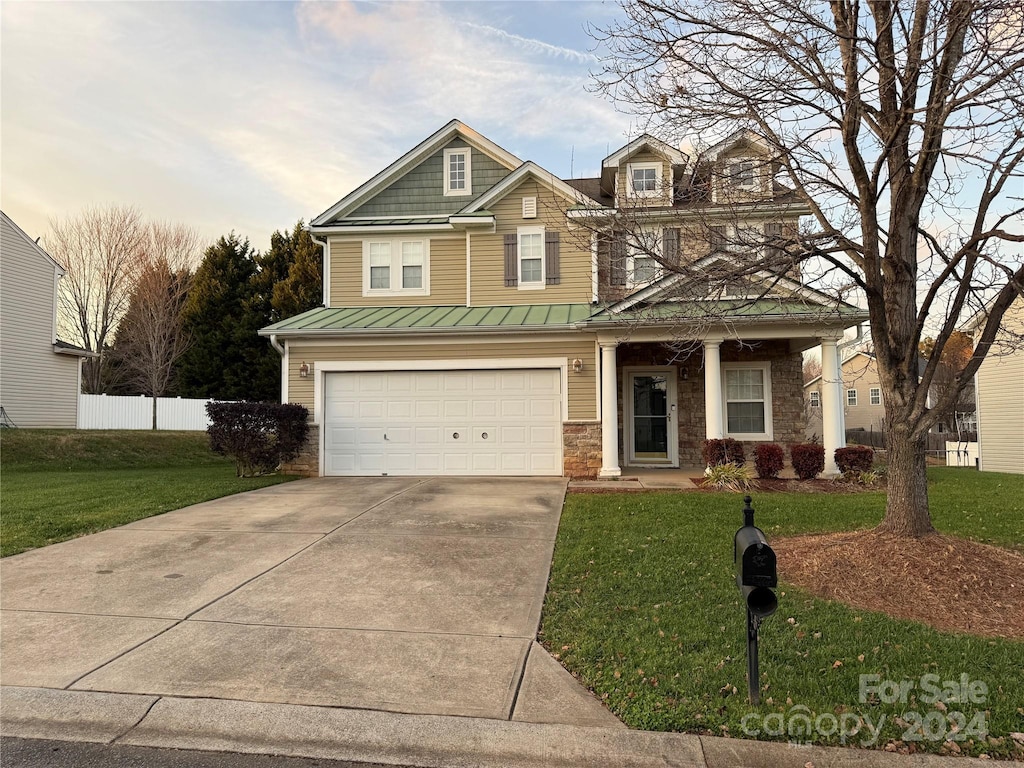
x: 808, y: 460
x: 769, y: 459
x: 724, y: 451
x: 258, y: 436
x: 855, y: 458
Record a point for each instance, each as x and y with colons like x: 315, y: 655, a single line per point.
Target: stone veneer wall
x: 307, y: 463
x: 581, y: 449
x: 787, y: 390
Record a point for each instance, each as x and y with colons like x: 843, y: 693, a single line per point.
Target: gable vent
x: 529, y: 207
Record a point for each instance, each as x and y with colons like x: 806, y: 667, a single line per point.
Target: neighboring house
x: 999, y: 389
x: 484, y: 317
x: 40, y: 375
x: 863, y: 407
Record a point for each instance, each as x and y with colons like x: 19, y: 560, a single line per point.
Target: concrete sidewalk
x: 400, y: 594
x: 429, y: 741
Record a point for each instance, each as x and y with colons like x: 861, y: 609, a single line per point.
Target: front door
x: 651, y: 407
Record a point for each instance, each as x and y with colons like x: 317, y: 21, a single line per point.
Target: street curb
x: 425, y: 741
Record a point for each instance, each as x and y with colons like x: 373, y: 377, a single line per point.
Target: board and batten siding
x: 447, y: 273
x: 487, y: 255
x: 420, y: 192
x: 1000, y: 396
x: 582, y: 387
x: 38, y: 387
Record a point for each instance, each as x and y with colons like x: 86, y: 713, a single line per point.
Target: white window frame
x: 814, y: 399
x: 448, y: 191
x: 769, y: 424
x: 851, y: 398
x: 395, y: 244
x: 534, y: 286
x: 635, y: 251
x: 659, y: 179
x: 875, y: 395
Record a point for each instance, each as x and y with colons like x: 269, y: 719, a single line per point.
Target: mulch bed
x: 952, y: 584
x: 783, y: 485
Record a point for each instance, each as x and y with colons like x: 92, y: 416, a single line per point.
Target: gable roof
x: 674, y: 155
x: 32, y: 243
x: 410, y: 160
x: 529, y: 168
x: 742, y: 135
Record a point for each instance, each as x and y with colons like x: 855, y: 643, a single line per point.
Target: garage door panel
x: 422, y: 411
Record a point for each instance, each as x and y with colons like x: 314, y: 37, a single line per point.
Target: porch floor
x: 653, y: 478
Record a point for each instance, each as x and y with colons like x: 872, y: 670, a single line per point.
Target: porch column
x: 713, y: 390
x: 832, y: 434
x: 609, y: 413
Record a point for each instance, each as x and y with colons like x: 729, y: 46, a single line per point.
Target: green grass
x: 56, y: 484
x: 642, y: 606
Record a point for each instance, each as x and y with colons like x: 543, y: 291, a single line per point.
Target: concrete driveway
x: 410, y: 595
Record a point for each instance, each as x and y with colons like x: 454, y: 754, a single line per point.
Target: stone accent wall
x: 307, y: 463
x: 787, y: 389
x: 581, y: 449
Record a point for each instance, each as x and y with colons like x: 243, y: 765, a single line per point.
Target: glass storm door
x: 653, y: 396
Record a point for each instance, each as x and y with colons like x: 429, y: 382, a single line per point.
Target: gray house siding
x: 38, y: 387
x: 421, y: 191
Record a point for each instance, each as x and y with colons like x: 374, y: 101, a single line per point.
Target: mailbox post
x: 756, y: 578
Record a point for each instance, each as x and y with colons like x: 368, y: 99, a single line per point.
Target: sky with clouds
x: 250, y: 115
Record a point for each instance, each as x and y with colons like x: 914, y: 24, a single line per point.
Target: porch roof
x: 767, y: 309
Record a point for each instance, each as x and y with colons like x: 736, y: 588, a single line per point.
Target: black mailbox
x: 756, y: 574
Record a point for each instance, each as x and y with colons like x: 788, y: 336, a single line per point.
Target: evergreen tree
x: 302, y: 289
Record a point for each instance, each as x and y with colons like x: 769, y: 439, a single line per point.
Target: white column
x: 832, y: 434
x: 713, y: 390
x: 609, y: 413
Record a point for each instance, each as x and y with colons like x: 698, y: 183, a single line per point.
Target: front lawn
x: 642, y: 607
x: 60, y: 484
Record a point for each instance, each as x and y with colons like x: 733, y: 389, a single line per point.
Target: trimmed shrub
x: 258, y: 436
x: 728, y: 477
x: 855, y: 458
x: 808, y: 460
x: 724, y: 451
x: 769, y: 459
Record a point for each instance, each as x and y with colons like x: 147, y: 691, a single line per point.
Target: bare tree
x: 899, y: 126
x: 99, y: 248
x: 151, y: 337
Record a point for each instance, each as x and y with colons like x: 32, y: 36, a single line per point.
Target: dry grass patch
x: 949, y: 583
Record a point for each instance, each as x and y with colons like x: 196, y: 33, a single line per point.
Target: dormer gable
x: 740, y: 168
x: 437, y: 177
x: 642, y: 172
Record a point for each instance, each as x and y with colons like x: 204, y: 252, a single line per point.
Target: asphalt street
x: 35, y: 753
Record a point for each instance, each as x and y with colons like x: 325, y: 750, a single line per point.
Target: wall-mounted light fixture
x: 577, y: 365
x: 304, y: 369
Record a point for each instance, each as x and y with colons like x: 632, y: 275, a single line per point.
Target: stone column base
x: 307, y: 463
x: 581, y: 449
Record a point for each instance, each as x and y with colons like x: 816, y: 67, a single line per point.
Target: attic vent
x: 529, y: 207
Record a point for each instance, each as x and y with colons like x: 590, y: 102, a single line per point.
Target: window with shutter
x: 511, y: 261
x: 552, y: 258
x: 531, y: 257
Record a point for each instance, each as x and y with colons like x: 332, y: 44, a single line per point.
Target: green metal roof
x: 350, y: 319
x: 731, y: 308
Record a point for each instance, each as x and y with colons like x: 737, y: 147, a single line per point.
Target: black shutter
x: 511, y: 261
x: 551, y: 258
x: 773, y: 237
x: 618, y: 258
x: 670, y: 246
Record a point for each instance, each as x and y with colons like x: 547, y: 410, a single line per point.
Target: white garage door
x: 494, y: 422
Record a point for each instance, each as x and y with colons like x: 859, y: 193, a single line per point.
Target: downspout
x: 275, y: 345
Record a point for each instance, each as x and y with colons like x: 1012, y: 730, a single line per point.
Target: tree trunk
x: 906, y: 508
x: 154, y: 412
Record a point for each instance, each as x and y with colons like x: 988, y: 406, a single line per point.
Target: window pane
x: 380, y: 254
x: 412, y: 254
x: 530, y: 246
x: 530, y: 271
x: 380, y: 277
x: 744, y: 384
x: 745, y: 174
x: 876, y: 396
x: 745, y: 418
x: 645, y: 179
x: 457, y: 171
x: 412, y: 277
x: 644, y: 269
x: 815, y: 401
x: 851, y: 397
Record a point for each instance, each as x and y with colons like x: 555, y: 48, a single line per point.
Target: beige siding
x: 664, y: 199
x: 1000, y: 392
x: 581, y: 386
x: 38, y: 388
x: 447, y: 273
x: 488, y: 256
x: 859, y: 373
x: 727, y: 193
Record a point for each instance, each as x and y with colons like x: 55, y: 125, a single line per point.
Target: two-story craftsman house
x: 484, y: 317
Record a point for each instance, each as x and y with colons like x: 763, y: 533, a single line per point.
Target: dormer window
x: 743, y: 174
x: 644, y: 179
x: 458, y: 171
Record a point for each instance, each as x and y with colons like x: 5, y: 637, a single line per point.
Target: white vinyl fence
x: 961, y: 454
x: 114, y: 412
